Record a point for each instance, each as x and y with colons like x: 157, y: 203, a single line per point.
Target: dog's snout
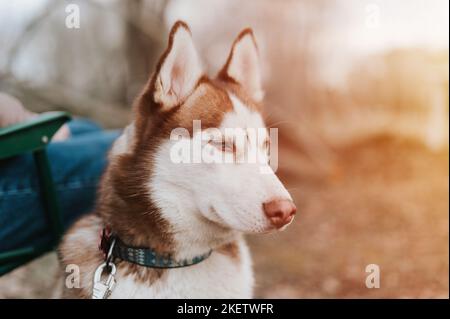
x: 280, y: 211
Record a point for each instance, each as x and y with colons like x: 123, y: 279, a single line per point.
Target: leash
x: 112, y: 248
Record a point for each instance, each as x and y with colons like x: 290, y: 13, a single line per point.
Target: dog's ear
x: 243, y: 65
x: 179, y: 69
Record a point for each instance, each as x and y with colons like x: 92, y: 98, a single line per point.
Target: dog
x: 177, y: 228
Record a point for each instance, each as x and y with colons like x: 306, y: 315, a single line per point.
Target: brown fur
x: 79, y: 250
x: 231, y: 250
x: 124, y: 203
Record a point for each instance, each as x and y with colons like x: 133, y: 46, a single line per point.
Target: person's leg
x: 76, y: 165
x: 80, y: 126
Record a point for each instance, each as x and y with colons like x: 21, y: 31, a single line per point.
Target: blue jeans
x: 77, y: 165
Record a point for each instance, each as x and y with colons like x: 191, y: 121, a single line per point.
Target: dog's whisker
x: 282, y: 122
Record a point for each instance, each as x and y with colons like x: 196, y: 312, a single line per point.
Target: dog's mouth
x: 283, y: 228
x: 215, y: 219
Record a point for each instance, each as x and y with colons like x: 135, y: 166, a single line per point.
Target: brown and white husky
x: 184, y: 209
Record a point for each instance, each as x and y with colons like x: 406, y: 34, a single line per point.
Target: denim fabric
x: 77, y: 165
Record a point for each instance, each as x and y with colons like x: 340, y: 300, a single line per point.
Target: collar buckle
x: 105, y: 241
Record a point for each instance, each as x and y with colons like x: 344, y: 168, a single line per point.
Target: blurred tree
x: 91, y: 71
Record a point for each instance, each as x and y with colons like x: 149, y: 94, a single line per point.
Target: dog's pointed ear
x: 243, y: 65
x: 179, y: 69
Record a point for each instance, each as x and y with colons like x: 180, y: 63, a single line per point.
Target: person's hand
x: 62, y: 134
x: 12, y: 112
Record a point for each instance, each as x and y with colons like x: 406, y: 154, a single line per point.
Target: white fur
x: 219, y: 276
x: 213, y: 195
x: 216, y: 277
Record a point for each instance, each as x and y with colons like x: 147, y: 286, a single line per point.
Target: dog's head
x: 195, y: 135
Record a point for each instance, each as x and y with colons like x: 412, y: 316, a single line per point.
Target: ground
x: 385, y: 202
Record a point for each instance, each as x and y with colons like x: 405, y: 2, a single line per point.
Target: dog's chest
x: 217, y: 277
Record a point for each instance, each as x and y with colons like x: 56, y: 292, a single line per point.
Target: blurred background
x: 358, y: 89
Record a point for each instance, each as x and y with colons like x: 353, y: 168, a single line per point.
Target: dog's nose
x: 280, y: 211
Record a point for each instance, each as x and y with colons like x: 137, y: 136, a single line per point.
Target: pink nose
x: 280, y: 212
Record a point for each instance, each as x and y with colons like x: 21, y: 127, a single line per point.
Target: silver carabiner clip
x: 102, y: 290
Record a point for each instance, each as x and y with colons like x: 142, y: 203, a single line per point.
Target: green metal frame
x: 34, y: 136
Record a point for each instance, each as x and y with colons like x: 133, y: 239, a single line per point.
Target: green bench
x: 34, y: 136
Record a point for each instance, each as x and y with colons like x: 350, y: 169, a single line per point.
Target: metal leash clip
x: 102, y: 290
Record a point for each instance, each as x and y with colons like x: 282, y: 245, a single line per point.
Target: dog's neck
x: 185, y: 243
x: 192, y: 234
x: 172, y: 226
x: 206, y: 235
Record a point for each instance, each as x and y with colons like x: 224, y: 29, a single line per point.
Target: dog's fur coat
x: 184, y: 209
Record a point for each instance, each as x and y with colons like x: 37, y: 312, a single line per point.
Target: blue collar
x: 145, y: 256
